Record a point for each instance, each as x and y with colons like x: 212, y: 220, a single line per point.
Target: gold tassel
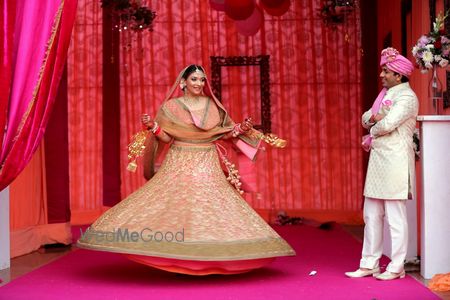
x: 273, y: 140
x: 136, y: 148
x: 233, y: 175
x: 270, y: 139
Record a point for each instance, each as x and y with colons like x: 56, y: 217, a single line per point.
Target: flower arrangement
x: 434, y: 48
x: 333, y: 12
x: 130, y: 14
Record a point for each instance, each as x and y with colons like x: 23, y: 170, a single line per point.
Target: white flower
x: 414, y: 50
x: 443, y: 63
x: 437, y: 58
x: 427, y: 57
x: 436, y: 27
x: 429, y: 46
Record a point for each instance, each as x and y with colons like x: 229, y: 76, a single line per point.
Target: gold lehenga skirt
x: 187, y: 211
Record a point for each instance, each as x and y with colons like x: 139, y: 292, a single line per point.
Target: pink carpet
x: 85, y: 274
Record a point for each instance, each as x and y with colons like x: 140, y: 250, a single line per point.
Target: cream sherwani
x: 390, y: 178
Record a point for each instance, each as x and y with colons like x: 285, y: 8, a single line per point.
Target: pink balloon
x: 218, y: 5
x: 279, y: 10
x: 239, y: 9
x: 251, y: 25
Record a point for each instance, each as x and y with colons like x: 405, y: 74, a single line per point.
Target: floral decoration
x: 130, y: 15
x: 333, y: 12
x: 386, y: 102
x: 433, y: 49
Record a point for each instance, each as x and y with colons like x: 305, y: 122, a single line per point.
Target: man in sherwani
x: 390, y: 179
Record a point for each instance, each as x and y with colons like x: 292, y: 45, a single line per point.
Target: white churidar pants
x: 374, y: 212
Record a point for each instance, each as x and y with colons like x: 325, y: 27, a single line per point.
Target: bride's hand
x: 247, y: 124
x: 147, y: 121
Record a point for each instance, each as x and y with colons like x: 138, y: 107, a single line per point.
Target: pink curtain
x: 7, y: 18
x: 37, y: 42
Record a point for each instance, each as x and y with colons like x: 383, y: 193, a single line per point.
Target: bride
x: 188, y: 218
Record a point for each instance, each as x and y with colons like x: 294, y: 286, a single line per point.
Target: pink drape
x: 41, y: 35
x: 7, y: 18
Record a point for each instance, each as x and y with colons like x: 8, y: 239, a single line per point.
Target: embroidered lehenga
x: 188, y: 218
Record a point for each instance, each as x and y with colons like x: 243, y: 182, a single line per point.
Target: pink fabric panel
x: 248, y: 172
x: 248, y: 150
x: 33, y: 28
x: 7, y: 19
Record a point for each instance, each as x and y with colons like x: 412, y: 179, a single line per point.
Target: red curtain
x: 315, y: 99
x: 85, y: 81
x: 36, y: 41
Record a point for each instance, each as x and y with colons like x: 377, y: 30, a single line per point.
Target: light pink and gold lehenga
x: 188, y: 218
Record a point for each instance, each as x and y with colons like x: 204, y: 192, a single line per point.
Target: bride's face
x: 195, y: 83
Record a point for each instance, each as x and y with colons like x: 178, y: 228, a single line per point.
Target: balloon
x: 239, y: 9
x: 251, y: 25
x: 281, y: 9
x: 218, y: 5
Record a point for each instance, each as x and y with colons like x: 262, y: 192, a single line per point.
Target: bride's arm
x: 163, y: 136
x: 239, y: 128
x: 153, y: 126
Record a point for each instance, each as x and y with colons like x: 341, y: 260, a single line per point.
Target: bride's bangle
x: 237, y: 130
x: 155, y: 129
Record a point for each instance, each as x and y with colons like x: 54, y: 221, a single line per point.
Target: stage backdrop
x: 315, y: 82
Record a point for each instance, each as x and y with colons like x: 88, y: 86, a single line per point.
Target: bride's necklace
x: 192, y: 103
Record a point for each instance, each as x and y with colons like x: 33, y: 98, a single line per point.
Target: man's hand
x: 376, y: 118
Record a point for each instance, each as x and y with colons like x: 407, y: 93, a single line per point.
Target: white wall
x: 5, y: 260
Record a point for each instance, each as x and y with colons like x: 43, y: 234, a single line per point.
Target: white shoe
x: 363, y: 273
x: 389, y: 275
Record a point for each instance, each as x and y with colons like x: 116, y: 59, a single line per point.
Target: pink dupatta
x: 180, y: 130
x: 376, y: 106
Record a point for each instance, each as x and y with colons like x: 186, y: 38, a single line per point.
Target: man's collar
x: 398, y: 87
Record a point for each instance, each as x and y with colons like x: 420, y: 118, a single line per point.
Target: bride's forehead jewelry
x: 199, y: 72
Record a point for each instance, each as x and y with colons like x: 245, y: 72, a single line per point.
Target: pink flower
x: 423, y: 40
x: 389, y: 53
x: 387, y: 102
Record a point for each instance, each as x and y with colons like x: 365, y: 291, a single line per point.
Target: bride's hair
x: 191, y: 69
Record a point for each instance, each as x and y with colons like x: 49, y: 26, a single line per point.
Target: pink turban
x: 396, y: 62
